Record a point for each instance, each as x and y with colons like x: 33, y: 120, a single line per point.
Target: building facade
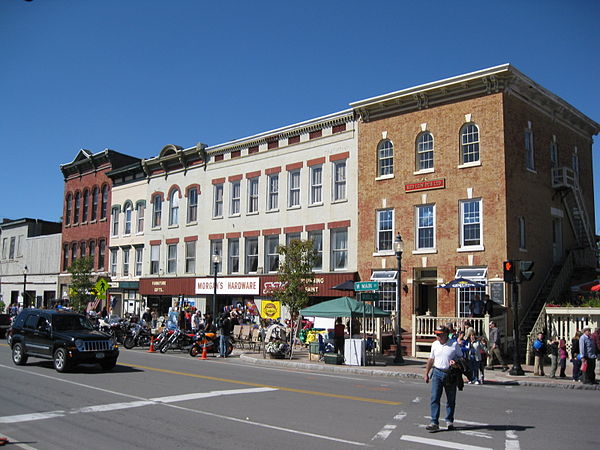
x: 29, y: 262
x: 470, y: 171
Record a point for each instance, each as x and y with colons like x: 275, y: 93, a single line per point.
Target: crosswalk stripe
x: 440, y: 443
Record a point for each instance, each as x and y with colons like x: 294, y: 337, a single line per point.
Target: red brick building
x: 86, y: 210
x: 471, y: 171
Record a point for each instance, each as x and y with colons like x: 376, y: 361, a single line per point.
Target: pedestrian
x: 104, y: 313
x: 225, y: 331
x: 476, y: 306
x: 338, y: 336
x: 469, y: 330
x: 495, y: 350
x: 553, y: 353
x: 474, y: 355
x: 196, y: 317
x: 147, y: 317
x: 154, y: 318
x: 588, y: 356
x: 539, y: 352
x: 596, y: 338
x: 575, y: 358
x: 488, y: 307
x: 442, y: 358
x: 484, y: 357
x: 562, y: 357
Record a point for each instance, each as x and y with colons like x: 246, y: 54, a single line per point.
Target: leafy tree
x: 295, y: 275
x: 82, y: 283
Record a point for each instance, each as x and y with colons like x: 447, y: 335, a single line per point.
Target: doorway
x: 557, y: 240
x: 426, y: 292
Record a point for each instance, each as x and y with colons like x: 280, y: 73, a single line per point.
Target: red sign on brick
x: 425, y: 185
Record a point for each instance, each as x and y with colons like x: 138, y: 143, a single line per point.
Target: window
x: 13, y: 243
x: 294, y: 188
x: 478, y: 274
x: 316, y: 185
x: 291, y: 237
x: 388, y: 285
x: 273, y: 193
x: 125, y: 262
x: 68, y: 207
x: 192, y: 205
x: 339, y: 248
x: 104, y: 205
x: 317, y: 240
x: 139, y: 255
x: 385, y: 158
x: 575, y: 163
x: 76, y: 209
x: 101, y: 253
x: 73, y: 253
x: 253, y: 195
x: 216, y: 248
x: 553, y: 153
x: 172, y: 258
x: 236, y: 189
x: 251, y: 255
x: 425, y: 227
x: 86, y: 201
x: 94, y: 214
x: 113, y: 261
x: 425, y: 151
x: 92, y: 253
x: 271, y: 255
x: 82, y: 249
x: 190, y: 257
x: 65, y: 257
x: 470, y: 233
x: 128, y: 213
x: 4, y: 247
x: 339, y: 181
x: 522, y: 241
x: 156, y: 211
x: 19, y: 247
x: 385, y: 230
x: 154, y: 259
x: 233, y: 264
x: 140, y: 210
x: 218, y: 200
x: 115, y: 221
x: 174, y: 208
x: 529, y: 154
x: 469, y: 143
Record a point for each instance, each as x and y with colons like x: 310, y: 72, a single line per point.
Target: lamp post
x: 216, y: 259
x: 398, y: 249
x: 25, y: 302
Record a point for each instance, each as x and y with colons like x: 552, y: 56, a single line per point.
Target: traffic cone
x: 151, y: 349
x: 203, y: 352
x: 3, y: 441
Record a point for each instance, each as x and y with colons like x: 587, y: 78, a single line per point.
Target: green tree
x: 295, y: 275
x: 82, y: 282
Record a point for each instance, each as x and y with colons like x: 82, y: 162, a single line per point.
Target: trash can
x: 313, y: 351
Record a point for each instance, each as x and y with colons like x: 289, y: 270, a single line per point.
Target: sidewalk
x: 412, y: 368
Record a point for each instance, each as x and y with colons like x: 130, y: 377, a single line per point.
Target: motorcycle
x: 177, y: 340
x: 137, y: 336
x: 115, y: 326
x: 210, y: 341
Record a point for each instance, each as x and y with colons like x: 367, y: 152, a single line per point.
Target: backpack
x: 537, y: 344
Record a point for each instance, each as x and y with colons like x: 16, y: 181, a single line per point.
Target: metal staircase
x: 564, y: 179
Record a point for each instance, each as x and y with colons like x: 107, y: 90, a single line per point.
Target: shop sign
x: 228, y: 286
x: 270, y: 309
x: 425, y: 185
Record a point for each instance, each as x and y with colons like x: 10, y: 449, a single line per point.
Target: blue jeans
x: 475, y: 369
x: 437, y: 385
x: 223, y: 345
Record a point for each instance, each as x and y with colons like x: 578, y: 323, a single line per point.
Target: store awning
x: 343, y: 307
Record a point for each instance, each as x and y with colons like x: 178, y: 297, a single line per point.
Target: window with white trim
x: 316, y: 185
x: 190, y: 257
x: 156, y: 211
x: 140, y: 210
x: 251, y: 255
x: 388, y: 285
x: 385, y: 158
x: 339, y: 180
x: 294, y: 188
x: 233, y: 248
x: 218, y: 200
x: 471, y: 223
x: 115, y: 221
x: 385, y: 230
x: 174, y: 208
x: 101, y: 253
x: 469, y: 143
x: 234, y: 205
x: 127, y: 217
x: 273, y: 192
x: 104, y: 204
x: 271, y: 255
x: 216, y: 248
x: 139, y: 255
x: 289, y: 237
x: 529, y: 152
x: 172, y: 258
x: 113, y: 261
x: 68, y: 211
x: 94, y: 213
x: 125, y: 262
x: 339, y: 248
x: 154, y: 259
x: 253, y: 195
x: 76, y: 209
x: 316, y: 237
x: 425, y: 222
x: 425, y: 151
x: 466, y: 295
x: 192, y: 205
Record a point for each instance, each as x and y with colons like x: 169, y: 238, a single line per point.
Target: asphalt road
x: 174, y: 401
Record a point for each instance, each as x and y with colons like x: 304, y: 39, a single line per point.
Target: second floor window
x: 172, y: 258
x: 251, y: 255
x: 235, y: 198
x: 339, y: 181
x: 139, y: 255
x: 125, y: 262
x: 273, y: 194
x: 339, y: 248
x: 92, y: 251
x: 218, y: 200
x: 425, y: 227
x: 469, y: 143
x: 192, y: 205
x: 154, y: 259
x: 234, y: 256
x: 317, y: 240
x: 113, y: 261
x: 425, y: 151
x: 101, y: 253
x: 156, y: 211
x: 316, y: 185
x: 294, y: 189
x: 190, y: 257
x: 385, y: 229
x: 253, y: 195
x: 271, y: 255
x: 470, y: 211
x: 385, y: 158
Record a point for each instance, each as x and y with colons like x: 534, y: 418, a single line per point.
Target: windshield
x: 71, y: 322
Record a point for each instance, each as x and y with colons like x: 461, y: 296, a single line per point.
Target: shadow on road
x: 89, y: 368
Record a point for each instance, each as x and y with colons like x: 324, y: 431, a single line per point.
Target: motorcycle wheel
x: 229, y: 349
x: 165, y: 347
x: 129, y: 342
x: 194, y: 350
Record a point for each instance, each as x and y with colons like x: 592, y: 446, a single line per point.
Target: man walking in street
x: 495, y: 350
x: 444, y: 355
x: 588, y: 356
x: 225, y: 330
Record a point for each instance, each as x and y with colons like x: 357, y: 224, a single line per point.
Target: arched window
x: 85, y: 206
x: 469, y: 143
x: 94, y: 214
x: 68, y: 207
x: 76, y: 209
x: 424, y: 149
x: 140, y: 210
x: 385, y: 158
x: 104, y: 205
x: 127, y: 212
x: 156, y: 210
x: 174, y: 207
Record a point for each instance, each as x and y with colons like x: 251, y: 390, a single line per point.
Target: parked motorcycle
x: 137, y: 336
x: 116, y: 327
x: 178, y: 340
x: 210, y: 341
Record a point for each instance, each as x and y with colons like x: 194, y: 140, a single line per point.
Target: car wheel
x: 108, y: 364
x: 18, y: 354
x: 60, y: 360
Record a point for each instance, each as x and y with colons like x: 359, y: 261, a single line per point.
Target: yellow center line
x: 287, y: 389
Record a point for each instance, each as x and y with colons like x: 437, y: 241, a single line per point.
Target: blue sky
x: 136, y: 75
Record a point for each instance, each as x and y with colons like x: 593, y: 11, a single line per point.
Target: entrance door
x: 557, y: 241
x: 426, y: 300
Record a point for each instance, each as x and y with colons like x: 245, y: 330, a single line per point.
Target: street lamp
x: 216, y: 259
x: 398, y: 249
x: 25, y: 302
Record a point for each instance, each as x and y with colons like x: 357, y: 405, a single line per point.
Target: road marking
x: 198, y: 395
x: 417, y: 400
x: 466, y: 422
x: 440, y: 443
x: 401, y: 415
x: 512, y: 441
x: 384, y: 433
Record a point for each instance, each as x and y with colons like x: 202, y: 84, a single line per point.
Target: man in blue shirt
x: 588, y: 350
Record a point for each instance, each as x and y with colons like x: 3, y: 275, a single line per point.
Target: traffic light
x: 525, y: 270
x: 509, y: 271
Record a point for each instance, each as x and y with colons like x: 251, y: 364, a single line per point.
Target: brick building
x: 87, y: 205
x: 471, y: 171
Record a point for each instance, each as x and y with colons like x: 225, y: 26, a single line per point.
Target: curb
x: 331, y: 368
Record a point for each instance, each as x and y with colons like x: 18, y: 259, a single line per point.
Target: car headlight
x: 80, y: 345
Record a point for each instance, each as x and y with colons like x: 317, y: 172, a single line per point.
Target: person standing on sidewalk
x: 539, y: 352
x: 596, y: 338
x: 225, y: 330
x: 495, y: 350
x: 575, y: 356
x: 562, y: 357
x: 588, y: 356
x: 443, y: 356
x: 553, y: 353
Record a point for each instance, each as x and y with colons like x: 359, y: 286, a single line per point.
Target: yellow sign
x: 72, y: 292
x: 270, y: 309
x: 101, y: 286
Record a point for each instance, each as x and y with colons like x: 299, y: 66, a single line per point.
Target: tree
x: 295, y: 275
x: 82, y: 283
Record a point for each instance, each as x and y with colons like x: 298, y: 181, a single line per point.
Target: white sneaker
x: 477, y: 382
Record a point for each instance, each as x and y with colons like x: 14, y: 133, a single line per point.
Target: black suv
x: 65, y: 337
